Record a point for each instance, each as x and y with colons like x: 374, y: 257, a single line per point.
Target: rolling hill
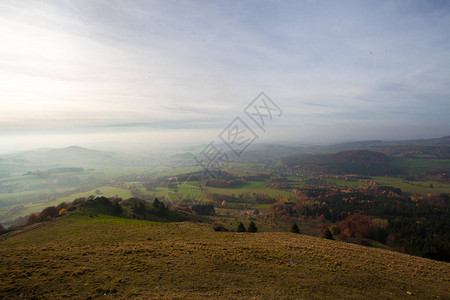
x: 421, y: 148
x: 362, y: 162
x: 73, y: 156
x: 81, y: 257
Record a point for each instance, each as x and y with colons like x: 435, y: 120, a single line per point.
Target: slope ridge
x: 189, y: 260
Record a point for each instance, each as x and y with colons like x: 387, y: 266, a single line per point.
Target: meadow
x: 79, y: 258
x: 23, y: 195
x: 29, y: 208
x: 251, y: 187
x: 416, y: 186
x: 417, y: 165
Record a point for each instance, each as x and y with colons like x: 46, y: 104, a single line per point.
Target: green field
x: 245, y: 168
x: 107, y: 219
x: 296, y: 182
x: 106, y: 191
x: 30, y: 208
x: 20, y: 196
x: 35, y: 193
x: 173, y: 192
x: 350, y: 184
x: 251, y: 187
x: 417, y: 165
x: 417, y: 186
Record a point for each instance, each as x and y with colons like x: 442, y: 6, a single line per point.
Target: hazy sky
x: 144, y: 73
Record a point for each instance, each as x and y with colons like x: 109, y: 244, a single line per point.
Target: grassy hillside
x: 77, y: 257
x: 361, y: 162
x: 30, y: 208
x: 416, y: 186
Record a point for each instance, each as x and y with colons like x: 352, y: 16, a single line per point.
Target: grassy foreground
x: 80, y: 258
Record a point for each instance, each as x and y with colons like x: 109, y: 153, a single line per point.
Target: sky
x: 154, y: 74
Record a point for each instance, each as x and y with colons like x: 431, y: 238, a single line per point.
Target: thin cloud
x: 188, y: 64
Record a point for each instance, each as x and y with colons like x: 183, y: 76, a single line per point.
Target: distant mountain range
x: 423, y: 148
x: 361, y: 162
x: 75, y: 156
x: 419, y: 148
x: 376, y: 144
x: 369, y: 157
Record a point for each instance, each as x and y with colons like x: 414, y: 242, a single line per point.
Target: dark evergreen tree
x: 162, y: 209
x: 241, y: 228
x: 252, y: 227
x: 139, y: 208
x: 156, y: 203
x: 2, y: 229
x: 117, y: 209
x: 295, y: 228
x: 204, y: 209
x: 328, y: 235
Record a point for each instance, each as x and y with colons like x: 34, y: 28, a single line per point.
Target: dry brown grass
x: 187, y: 260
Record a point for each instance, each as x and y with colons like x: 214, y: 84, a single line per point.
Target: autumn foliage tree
x: 48, y: 213
x: 33, y: 218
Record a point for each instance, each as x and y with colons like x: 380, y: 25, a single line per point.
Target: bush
x: 2, y: 229
x: 327, y: 234
x: 117, y: 209
x: 32, y: 219
x: 162, y: 209
x: 139, y: 209
x: 241, y: 228
x: 62, y: 205
x: 204, y: 209
x: 218, y: 227
x: 252, y: 227
x: 335, y: 229
x: 48, y: 213
x: 156, y: 203
x: 295, y: 228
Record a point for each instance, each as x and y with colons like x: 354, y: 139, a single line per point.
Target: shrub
x: 48, y: 213
x: 252, y: 227
x: 182, y: 207
x: 2, y: 229
x: 204, y: 209
x: 218, y: 227
x: 327, y: 234
x: 335, y: 229
x: 62, y: 205
x: 162, y: 209
x: 32, y: 219
x: 156, y: 203
x: 241, y: 228
x: 139, y: 209
x: 117, y: 209
x: 295, y: 228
